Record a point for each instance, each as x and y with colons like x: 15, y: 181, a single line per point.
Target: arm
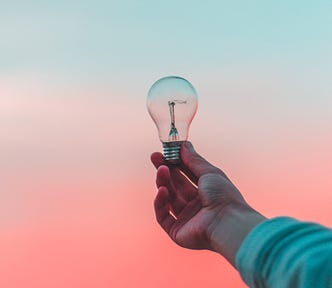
x: 284, y: 252
x: 208, y: 212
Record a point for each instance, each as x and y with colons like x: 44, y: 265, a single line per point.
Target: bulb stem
x: 172, y: 152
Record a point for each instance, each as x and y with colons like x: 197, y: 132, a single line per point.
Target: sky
x: 76, y: 184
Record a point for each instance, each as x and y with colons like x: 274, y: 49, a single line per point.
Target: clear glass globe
x: 172, y: 103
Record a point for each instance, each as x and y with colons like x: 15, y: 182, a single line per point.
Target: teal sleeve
x: 284, y: 252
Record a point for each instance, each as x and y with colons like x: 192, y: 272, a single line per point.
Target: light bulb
x: 172, y: 104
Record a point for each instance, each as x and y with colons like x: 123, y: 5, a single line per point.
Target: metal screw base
x: 172, y: 152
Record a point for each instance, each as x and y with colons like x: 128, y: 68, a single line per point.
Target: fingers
x: 184, y: 187
x: 195, y: 163
x: 190, y: 175
x: 162, y: 208
x: 176, y: 171
x: 164, y: 180
x: 157, y: 159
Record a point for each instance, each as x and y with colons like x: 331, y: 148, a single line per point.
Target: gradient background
x: 76, y: 183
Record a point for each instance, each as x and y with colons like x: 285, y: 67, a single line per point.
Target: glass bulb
x: 172, y: 104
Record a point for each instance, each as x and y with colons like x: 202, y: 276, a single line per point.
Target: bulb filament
x: 173, y: 133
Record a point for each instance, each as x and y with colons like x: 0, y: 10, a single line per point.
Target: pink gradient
x: 77, y: 186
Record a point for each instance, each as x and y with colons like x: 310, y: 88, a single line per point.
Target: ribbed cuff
x: 251, y: 257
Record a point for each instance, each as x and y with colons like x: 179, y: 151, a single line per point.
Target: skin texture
x: 199, y: 207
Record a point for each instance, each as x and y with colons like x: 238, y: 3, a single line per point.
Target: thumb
x: 194, y: 162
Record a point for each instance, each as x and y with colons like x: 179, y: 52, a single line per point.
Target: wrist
x: 230, y: 227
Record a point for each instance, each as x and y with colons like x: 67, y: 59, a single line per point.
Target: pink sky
x: 77, y: 186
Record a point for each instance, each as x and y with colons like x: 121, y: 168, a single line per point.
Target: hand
x: 190, y: 210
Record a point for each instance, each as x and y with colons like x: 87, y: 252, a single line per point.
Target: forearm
x: 231, y: 227
x: 284, y: 252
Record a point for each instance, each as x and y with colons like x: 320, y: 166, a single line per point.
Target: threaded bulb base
x: 172, y: 152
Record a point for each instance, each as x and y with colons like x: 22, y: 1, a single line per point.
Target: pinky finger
x: 162, y: 209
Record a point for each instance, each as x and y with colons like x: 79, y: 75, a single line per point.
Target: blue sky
x: 123, y: 38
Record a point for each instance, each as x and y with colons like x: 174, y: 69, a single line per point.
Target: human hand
x: 190, y: 210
